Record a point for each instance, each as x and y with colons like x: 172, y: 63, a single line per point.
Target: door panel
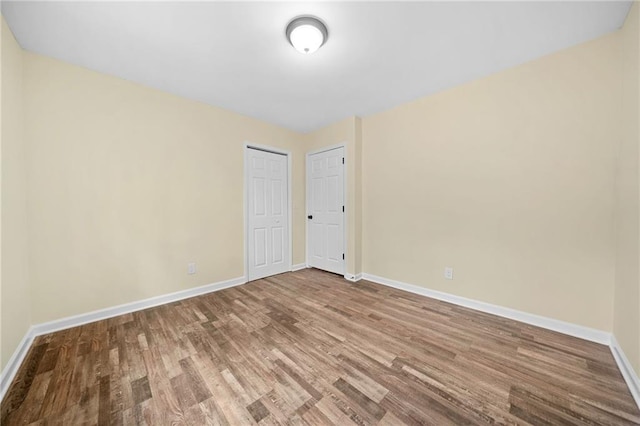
x: 316, y: 195
x: 277, y: 238
x: 334, y: 252
x: 259, y: 189
x: 260, y: 235
x: 276, y: 194
x: 325, y: 205
x: 268, y: 221
x: 316, y: 239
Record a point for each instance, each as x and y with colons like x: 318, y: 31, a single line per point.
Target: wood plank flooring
x: 311, y: 348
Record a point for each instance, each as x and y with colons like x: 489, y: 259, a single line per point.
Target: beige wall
x: 626, y: 320
x: 14, y: 287
x: 509, y: 179
x: 346, y: 132
x: 129, y: 184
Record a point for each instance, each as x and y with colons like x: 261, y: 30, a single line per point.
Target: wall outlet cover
x: 448, y: 272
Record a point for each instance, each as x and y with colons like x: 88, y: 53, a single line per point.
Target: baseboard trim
x: 630, y: 376
x: 10, y: 370
x: 76, y: 320
x: 586, y: 333
x: 17, y: 358
x: 353, y: 278
x: 8, y: 373
x: 575, y: 330
x: 298, y: 267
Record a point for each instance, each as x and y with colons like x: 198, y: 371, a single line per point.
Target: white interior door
x: 267, y: 211
x: 325, y: 210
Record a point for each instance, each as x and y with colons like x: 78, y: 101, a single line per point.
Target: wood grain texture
x: 309, y: 347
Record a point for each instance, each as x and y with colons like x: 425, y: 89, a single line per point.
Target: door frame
x: 345, y: 198
x: 245, y: 153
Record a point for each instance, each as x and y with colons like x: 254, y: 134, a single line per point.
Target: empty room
x: 327, y: 213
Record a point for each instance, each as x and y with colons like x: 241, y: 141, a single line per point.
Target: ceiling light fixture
x: 306, y: 34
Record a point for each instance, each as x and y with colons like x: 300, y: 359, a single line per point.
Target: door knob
x: 310, y: 216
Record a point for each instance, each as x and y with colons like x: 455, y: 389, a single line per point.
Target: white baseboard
x: 9, y: 371
x: 298, y: 267
x: 353, y: 278
x: 586, y: 333
x: 76, y: 320
x: 630, y: 376
x: 575, y: 330
x: 17, y: 358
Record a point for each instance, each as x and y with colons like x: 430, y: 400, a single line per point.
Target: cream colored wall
x: 509, y: 179
x: 346, y: 132
x: 15, y: 303
x: 626, y: 320
x: 129, y: 184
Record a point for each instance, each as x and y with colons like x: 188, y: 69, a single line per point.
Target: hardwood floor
x: 311, y: 348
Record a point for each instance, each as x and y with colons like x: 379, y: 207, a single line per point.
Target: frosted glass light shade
x: 306, y: 34
x: 306, y: 38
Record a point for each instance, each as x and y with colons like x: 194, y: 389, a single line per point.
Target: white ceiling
x: 235, y: 55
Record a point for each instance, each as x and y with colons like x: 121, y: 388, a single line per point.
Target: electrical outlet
x: 191, y: 268
x: 448, y: 272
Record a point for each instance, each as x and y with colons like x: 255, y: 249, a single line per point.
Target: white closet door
x: 268, y: 221
x: 325, y: 210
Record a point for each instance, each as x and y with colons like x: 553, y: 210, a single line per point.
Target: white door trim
x: 345, y: 195
x: 329, y: 148
x: 245, y: 152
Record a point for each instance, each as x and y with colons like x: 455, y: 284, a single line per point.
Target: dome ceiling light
x: 306, y: 34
